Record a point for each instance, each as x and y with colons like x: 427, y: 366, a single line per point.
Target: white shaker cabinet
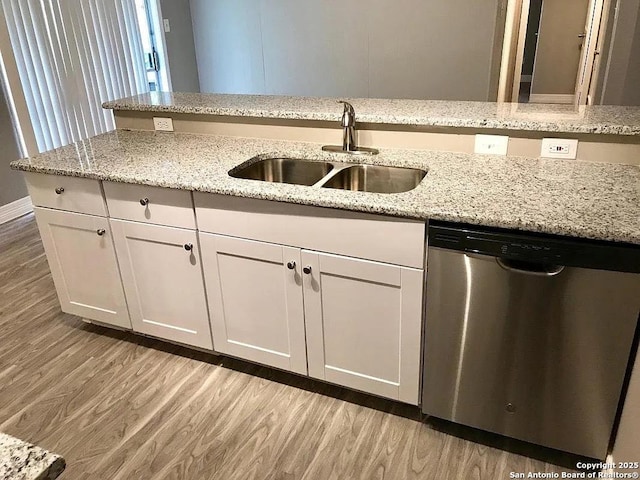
x: 255, y: 300
x: 355, y: 323
x: 363, y: 323
x: 83, y: 264
x: 163, y: 282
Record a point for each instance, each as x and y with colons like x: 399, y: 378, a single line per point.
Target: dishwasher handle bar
x: 538, y: 270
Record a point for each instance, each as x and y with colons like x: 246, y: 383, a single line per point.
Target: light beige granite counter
x: 582, y: 199
x: 23, y: 461
x: 604, y: 120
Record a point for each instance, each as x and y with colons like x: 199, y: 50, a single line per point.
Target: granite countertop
x: 580, y: 199
x: 605, y: 120
x: 23, y: 461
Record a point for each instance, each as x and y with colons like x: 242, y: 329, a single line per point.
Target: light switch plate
x: 167, y: 26
x: 492, y: 144
x: 163, y: 124
x: 559, y: 148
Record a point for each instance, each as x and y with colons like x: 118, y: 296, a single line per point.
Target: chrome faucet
x: 349, y: 134
x: 348, y: 126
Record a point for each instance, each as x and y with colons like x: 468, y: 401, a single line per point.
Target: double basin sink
x: 344, y: 176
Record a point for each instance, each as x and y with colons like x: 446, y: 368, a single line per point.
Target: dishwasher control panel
x: 536, y: 248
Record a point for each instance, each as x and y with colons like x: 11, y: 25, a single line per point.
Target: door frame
x: 522, y: 40
x: 587, y: 67
x: 594, y: 87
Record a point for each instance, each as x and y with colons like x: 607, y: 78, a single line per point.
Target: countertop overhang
x: 598, y: 201
x: 21, y: 460
x: 567, y: 119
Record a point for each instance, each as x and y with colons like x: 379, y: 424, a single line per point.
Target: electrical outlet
x: 492, y: 144
x: 559, y: 148
x: 163, y: 124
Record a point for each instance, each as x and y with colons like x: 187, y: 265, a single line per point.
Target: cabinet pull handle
x: 188, y: 247
x: 307, y: 270
x: 60, y: 190
x: 291, y: 265
x: 101, y: 232
x: 144, y: 202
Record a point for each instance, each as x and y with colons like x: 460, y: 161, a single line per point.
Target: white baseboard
x: 551, y: 98
x: 16, y: 209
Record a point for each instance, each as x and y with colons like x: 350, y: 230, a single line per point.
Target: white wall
x: 427, y: 49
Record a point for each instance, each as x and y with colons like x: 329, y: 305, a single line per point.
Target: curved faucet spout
x: 349, y: 126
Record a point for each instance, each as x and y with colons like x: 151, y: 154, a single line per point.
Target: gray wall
x: 180, y: 46
x: 620, y: 68
x: 361, y: 48
x: 558, y: 53
x: 12, y: 185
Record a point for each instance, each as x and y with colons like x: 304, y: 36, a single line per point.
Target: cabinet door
x: 363, y: 323
x: 255, y: 299
x: 163, y: 282
x: 83, y: 264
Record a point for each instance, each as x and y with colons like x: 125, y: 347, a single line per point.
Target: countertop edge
x: 377, y: 209
x: 22, y: 460
x: 594, y: 120
x: 595, y: 129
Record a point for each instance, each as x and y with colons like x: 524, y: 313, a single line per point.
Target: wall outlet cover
x: 559, y: 148
x: 492, y: 144
x: 163, y: 124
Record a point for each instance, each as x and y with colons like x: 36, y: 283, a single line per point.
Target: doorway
x: 553, y: 43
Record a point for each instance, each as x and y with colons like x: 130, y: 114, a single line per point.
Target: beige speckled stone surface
x: 23, y: 461
x: 581, y: 199
x: 606, y: 120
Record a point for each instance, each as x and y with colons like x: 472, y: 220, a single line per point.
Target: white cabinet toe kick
x: 332, y: 294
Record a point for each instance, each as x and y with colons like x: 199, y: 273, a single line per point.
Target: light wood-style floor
x: 119, y: 406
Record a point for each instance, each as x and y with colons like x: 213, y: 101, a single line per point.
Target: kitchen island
x: 131, y: 200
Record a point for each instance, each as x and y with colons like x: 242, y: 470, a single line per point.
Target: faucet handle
x: 349, y: 114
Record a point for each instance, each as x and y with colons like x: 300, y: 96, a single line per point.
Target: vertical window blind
x: 72, y: 55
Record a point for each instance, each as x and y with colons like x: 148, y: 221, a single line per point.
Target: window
x: 71, y: 57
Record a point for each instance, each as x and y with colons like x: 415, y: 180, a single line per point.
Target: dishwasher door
x: 535, y: 354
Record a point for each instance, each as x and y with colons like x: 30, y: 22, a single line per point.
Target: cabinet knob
x: 307, y: 270
x: 144, y: 202
x: 291, y: 265
x: 188, y: 247
x: 101, y: 232
x: 60, y: 190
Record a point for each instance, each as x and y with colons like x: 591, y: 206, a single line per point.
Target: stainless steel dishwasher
x: 529, y: 336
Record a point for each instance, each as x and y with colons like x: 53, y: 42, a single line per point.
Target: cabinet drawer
x: 82, y: 195
x: 399, y: 241
x: 157, y: 205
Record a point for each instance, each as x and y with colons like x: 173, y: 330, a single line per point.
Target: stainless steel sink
x: 284, y: 170
x: 376, y: 179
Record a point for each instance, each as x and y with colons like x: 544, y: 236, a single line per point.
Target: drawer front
x: 82, y: 195
x: 381, y: 238
x: 140, y: 203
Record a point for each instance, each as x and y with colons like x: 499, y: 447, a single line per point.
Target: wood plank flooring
x: 120, y: 406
